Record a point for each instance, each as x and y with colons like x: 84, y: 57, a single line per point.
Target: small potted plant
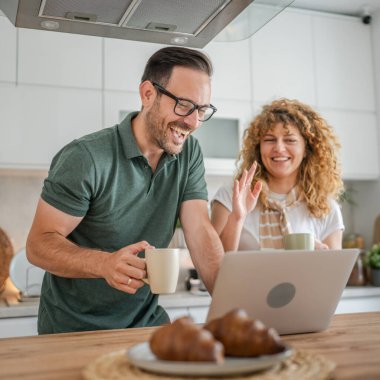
x: 374, y: 263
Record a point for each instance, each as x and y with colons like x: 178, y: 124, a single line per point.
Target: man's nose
x: 192, y: 119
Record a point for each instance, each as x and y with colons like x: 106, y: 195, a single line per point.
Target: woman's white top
x: 299, y: 218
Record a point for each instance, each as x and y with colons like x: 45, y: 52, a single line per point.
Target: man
x: 111, y: 194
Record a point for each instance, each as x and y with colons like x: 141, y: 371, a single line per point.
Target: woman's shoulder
x: 223, y: 195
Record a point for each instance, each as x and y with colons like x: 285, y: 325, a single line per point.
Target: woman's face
x: 282, y: 151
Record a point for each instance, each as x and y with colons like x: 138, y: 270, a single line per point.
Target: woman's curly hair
x: 319, y: 176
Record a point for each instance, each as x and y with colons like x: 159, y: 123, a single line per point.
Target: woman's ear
x: 148, y: 93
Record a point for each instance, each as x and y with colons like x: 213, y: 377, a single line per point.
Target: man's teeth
x: 181, y: 131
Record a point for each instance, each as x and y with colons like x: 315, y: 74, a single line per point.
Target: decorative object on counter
x: 6, y: 254
x: 302, y: 365
x: 358, y: 276
x: 26, y: 277
x: 194, y: 284
x: 374, y: 263
x: 376, y: 231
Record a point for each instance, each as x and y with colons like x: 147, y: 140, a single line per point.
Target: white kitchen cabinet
x: 177, y: 312
x: 232, y: 70
x: 344, y: 68
x: 124, y: 63
x: 60, y: 59
x: 22, y: 326
x: 35, y: 122
x: 357, y: 132
x: 8, y: 52
x: 117, y: 104
x: 282, y: 59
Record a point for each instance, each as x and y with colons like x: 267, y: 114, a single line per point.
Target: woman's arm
x: 334, y: 240
x: 230, y: 224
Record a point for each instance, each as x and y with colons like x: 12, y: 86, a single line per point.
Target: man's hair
x: 160, y: 65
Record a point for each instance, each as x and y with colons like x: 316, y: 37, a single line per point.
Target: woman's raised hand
x: 244, y: 199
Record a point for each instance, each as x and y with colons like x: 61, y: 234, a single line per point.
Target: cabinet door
x: 12, y: 327
x: 199, y: 314
x: 357, y: 132
x: 35, y: 122
x: 282, y: 59
x: 60, y: 59
x: 8, y: 45
x: 124, y: 63
x: 175, y: 313
x: 232, y: 71
x: 343, y: 58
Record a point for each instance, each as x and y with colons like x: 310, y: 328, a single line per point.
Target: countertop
x: 29, y: 306
x: 352, y: 342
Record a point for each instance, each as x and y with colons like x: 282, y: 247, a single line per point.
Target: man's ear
x: 148, y: 93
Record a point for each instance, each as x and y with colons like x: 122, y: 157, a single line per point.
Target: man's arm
x: 205, y: 247
x: 48, y: 248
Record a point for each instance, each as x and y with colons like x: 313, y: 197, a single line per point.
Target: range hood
x: 191, y: 23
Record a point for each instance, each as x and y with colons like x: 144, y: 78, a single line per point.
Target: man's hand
x: 124, y: 270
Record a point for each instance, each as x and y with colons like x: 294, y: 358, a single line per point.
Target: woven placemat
x: 302, y: 365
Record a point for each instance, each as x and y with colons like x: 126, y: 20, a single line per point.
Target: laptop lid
x: 292, y: 291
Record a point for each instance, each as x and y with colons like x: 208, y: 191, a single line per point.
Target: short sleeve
x: 70, y: 184
x: 196, y: 187
x: 224, y: 196
x: 333, y: 221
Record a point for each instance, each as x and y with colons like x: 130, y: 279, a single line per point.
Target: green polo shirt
x: 104, y: 178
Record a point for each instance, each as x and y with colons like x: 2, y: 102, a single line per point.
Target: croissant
x: 185, y: 341
x: 243, y: 336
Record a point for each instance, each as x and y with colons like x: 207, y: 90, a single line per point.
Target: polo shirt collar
x: 128, y: 139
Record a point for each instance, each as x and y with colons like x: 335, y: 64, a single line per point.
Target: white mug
x: 162, y: 265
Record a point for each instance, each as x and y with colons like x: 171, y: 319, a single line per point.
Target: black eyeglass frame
x: 178, y: 100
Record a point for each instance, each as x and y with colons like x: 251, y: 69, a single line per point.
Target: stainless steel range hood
x: 190, y: 23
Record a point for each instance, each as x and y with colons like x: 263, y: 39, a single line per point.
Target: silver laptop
x: 292, y: 291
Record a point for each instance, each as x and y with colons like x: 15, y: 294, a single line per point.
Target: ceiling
x: 347, y: 7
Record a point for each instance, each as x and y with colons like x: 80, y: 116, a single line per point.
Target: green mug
x: 302, y: 241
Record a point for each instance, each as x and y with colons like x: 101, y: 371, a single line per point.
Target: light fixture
x: 179, y: 40
x: 50, y: 24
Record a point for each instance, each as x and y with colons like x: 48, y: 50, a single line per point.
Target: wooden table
x: 352, y: 342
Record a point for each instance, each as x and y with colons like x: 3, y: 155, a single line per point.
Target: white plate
x: 25, y: 276
x: 142, y: 357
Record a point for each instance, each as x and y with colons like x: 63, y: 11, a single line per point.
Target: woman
x: 288, y: 181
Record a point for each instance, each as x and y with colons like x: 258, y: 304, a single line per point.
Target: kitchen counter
x: 352, y: 342
x: 181, y: 299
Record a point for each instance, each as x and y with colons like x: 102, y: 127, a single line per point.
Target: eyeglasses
x: 185, y: 107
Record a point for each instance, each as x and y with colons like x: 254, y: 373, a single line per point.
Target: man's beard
x: 158, y: 133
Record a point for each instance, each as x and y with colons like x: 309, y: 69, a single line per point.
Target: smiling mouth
x: 280, y: 159
x: 181, y: 132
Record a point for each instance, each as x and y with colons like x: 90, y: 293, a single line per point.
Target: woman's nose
x: 279, y: 146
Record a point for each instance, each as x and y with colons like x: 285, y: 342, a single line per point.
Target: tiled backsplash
x: 19, y: 194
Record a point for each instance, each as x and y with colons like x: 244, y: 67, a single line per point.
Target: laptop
x: 292, y: 291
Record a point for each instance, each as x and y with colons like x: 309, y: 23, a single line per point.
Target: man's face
x: 167, y: 130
